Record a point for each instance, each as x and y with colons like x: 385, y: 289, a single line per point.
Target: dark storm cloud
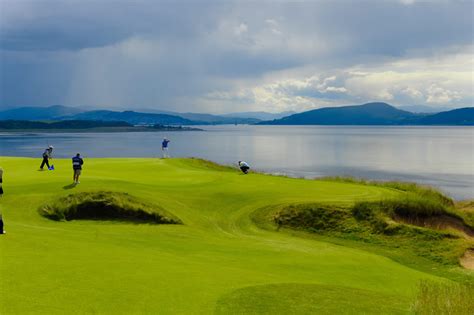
x: 391, y: 28
x: 170, y: 53
x: 74, y: 25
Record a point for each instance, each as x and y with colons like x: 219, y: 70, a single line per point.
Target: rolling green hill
x: 224, y: 257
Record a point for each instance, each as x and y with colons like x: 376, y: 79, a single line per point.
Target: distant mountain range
x: 460, y: 116
x: 374, y: 114
x: 131, y: 117
x: 260, y: 115
x: 423, y: 109
x: 149, y: 117
x: 218, y: 119
x: 245, y: 117
x: 366, y: 114
x: 39, y: 113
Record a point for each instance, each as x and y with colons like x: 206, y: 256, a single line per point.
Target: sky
x: 235, y: 56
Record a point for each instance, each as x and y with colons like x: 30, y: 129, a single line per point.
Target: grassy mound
x: 466, y: 209
x: 426, y: 225
x: 105, y: 205
x: 402, y: 223
x: 415, y: 210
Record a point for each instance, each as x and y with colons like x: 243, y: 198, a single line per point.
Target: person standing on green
x: 1, y: 181
x: 47, y: 155
x: 1, y: 194
x: 77, y: 162
x: 2, y: 231
x: 164, y: 147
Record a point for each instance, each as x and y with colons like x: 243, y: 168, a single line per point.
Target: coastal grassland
x: 219, y: 260
x: 420, y: 223
x: 364, y: 225
x: 436, y: 298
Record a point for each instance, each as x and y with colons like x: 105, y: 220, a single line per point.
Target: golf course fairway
x: 217, y: 261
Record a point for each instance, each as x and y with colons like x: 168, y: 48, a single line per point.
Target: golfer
x: 77, y: 162
x: 1, y: 225
x: 47, y: 155
x: 164, y: 147
x: 244, y: 167
x: 1, y: 181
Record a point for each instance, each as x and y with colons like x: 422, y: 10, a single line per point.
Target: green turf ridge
x: 203, y: 266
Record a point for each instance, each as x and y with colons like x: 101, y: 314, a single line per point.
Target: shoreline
x: 101, y: 130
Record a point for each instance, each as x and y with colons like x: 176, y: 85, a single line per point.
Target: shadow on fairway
x: 70, y: 186
x: 302, y: 298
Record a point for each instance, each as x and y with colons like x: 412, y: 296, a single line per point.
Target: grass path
x: 218, y: 261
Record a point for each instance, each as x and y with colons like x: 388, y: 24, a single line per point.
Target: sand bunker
x: 106, y: 205
x: 467, y: 260
x: 440, y: 222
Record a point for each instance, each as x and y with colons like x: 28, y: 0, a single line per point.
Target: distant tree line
x: 65, y: 124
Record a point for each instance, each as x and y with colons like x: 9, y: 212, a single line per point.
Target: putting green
x: 217, y: 261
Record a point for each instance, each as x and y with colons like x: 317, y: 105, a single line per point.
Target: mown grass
x: 218, y: 260
x: 299, y: 298
x: 105, y: 205
x: 435, y: 298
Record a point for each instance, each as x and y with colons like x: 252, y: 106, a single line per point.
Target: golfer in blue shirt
x: 77, y: 162
x: 164, y: 147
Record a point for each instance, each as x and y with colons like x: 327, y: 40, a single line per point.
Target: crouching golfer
x: 47, y: 155
x: 77, y: 162
x: 244, y: 167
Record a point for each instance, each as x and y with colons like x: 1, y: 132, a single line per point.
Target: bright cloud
x: 432, y: 81
x: 241, y: 29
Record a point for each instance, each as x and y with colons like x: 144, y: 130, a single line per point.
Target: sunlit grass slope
x: 218, y: 260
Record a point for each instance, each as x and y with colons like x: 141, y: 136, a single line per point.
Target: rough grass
x: 105, y: 205
x: 374, y: 222
x: 426, y: 192
x: 435, y: 298
x: 466, y: 210
x: 412, y: 208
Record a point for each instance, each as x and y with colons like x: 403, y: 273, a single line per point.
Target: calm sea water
x: 437, y: 156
